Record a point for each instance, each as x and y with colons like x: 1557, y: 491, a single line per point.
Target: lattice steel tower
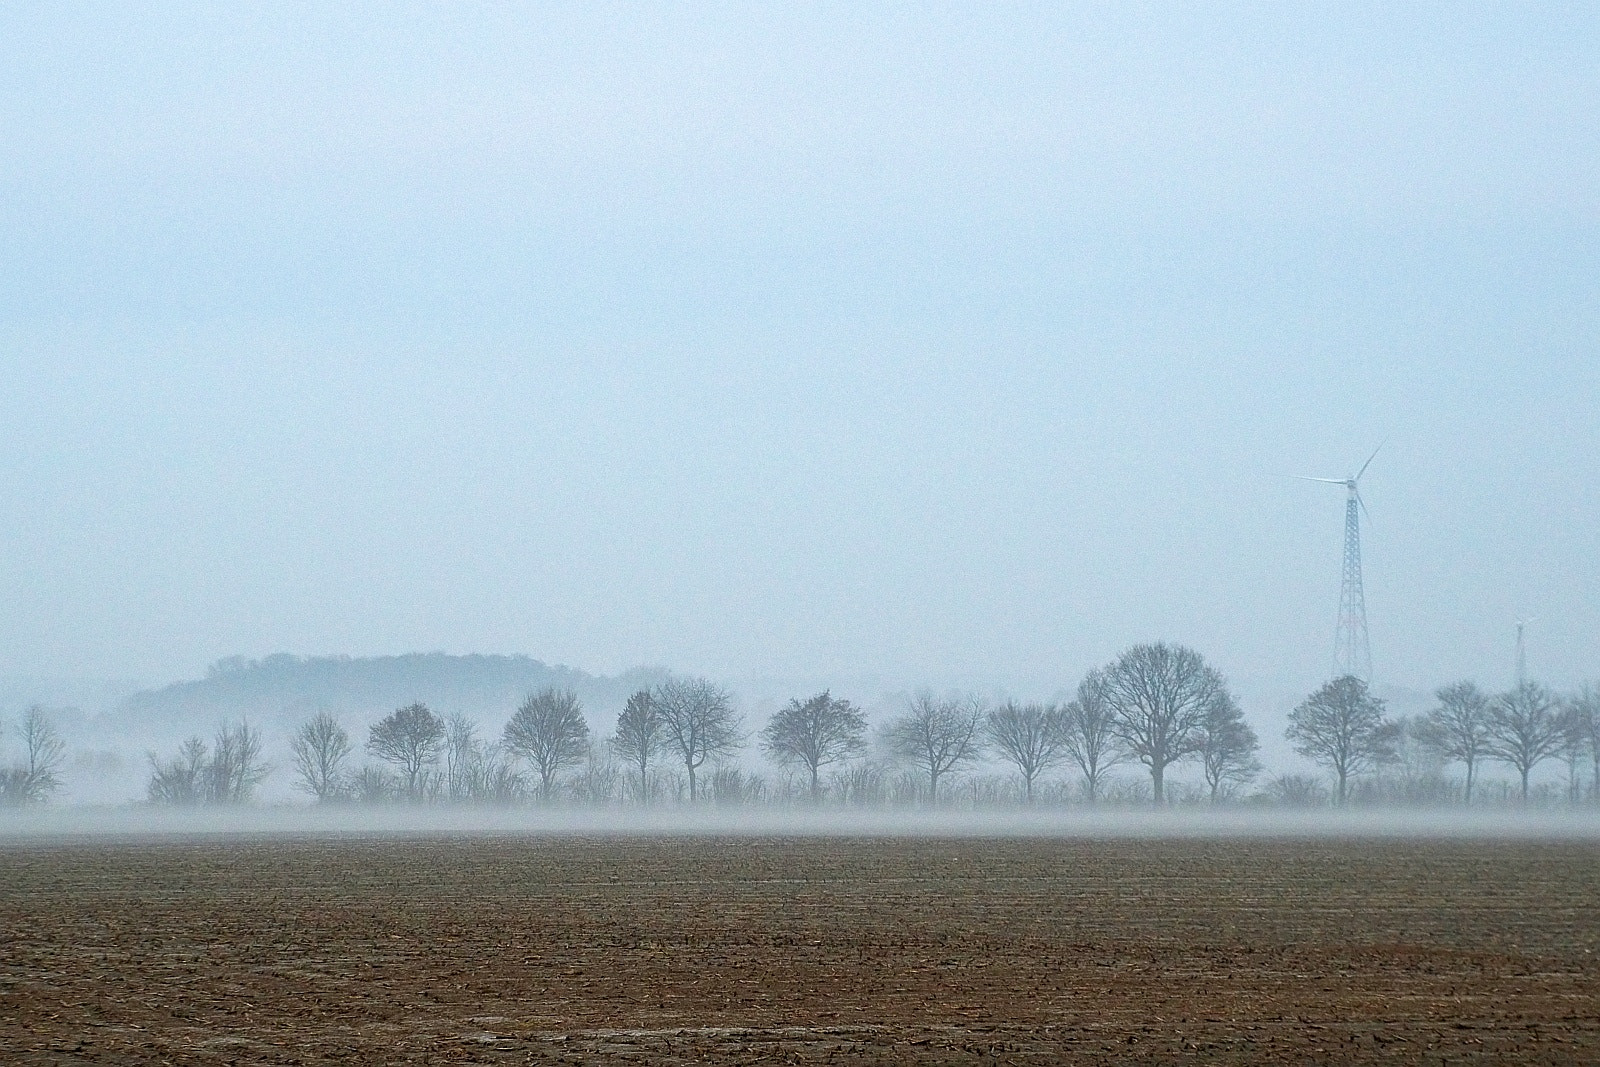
x: 1352, y: 652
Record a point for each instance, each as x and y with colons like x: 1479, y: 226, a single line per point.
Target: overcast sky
x: 952, y: 344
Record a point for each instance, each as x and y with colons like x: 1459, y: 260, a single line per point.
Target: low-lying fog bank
x: 80, y: 822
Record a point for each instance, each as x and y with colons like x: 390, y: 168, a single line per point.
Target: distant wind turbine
x: 1522, y: 651
x: 1352, y: 651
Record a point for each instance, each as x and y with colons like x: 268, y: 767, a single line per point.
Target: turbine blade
x: 1327, y: 481
x: 1364, y: 510
x: 1370, y: 458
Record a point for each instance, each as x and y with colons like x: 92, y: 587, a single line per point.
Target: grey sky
x: 945, y: 343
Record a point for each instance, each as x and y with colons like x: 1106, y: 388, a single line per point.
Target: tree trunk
x: 1525, y: 771
x: 1157, y: 773
x: 1469, y: 783
x: 1344, y: 792
x: 690, y: 768
x: 1027, y: 789
x: 933, y: 788
x: 816, y: 787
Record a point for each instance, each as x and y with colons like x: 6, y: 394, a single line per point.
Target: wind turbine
x: 1522, y: 653
x: 1352, y: 651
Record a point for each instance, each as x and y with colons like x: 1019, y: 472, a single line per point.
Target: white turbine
x: 1352, y: 651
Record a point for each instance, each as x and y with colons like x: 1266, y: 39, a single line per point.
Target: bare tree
x: 1524, y: 730
x: 1574, y: 747
x: 319, y: 747
x: 1585, y: 710
x: 236, y: 766
x: 464, y: 755
x: 1227, y: 747
x: 639, y: 737
x: 37, y: 777
x: 1459, y: 727
x: 1160, y: 695
x: 697, y: 721
x: 1030, y: 737
x: 549, y: 731
x: 814, y: 733
x: 1341, y: 726
x: 937, y: 735
x: 1087, y: 735
x: 181, y: 780
x: 410, y: 738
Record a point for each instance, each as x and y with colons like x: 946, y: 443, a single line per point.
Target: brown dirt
x: 847, y: 951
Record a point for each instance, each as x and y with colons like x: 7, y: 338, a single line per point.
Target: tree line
x: 1156, y: 706
x: 1343, y: 727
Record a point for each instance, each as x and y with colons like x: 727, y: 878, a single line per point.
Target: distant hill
x: 284, y: 689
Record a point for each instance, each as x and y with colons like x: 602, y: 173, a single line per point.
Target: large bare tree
x: 639, y: 737
x: 1341, y: 726
x: 811, y: 734
x: 319, y: 748
x: 1030, y: 737
x: 1227, y: 748
x: 938, y: 735
x: 1524, y: 729
x: 1160, y: 695
x: 1087, y: 735
x: 549, y: 731
x: 410, y: 738
x: 1458, y: 726
x: 698, y: 721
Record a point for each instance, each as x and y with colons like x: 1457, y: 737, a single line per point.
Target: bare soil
x: 799, y: 950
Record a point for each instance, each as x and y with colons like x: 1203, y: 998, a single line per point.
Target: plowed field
x: 801, y: 950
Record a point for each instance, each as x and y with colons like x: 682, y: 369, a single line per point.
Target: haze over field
x: 797, y: 346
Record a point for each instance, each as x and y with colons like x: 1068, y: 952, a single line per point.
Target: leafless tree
x: 1459, y: 727
x: 639, y: 737
x: 1584, y: 706
x: 320, y: 747
x: 183, y: 779
x: 549, y: 731
x: 410, y: 738
x: 1030, y: 737
x: 1524, y: 730
x: 236, y: 766
x: 938, y: 735
x: 1574, y: 747
x: 1160, y: 695
x: 814, y: 733
x: 37, y: 777
x: 1341, y: 726
x: 697, y: 721
x: 1227, y: 748
x: 1412, y: 770
x: 1087, y: 735
x: 464, y: 756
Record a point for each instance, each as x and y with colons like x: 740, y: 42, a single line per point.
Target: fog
x: 797, y: 347
x: 90, y: 824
